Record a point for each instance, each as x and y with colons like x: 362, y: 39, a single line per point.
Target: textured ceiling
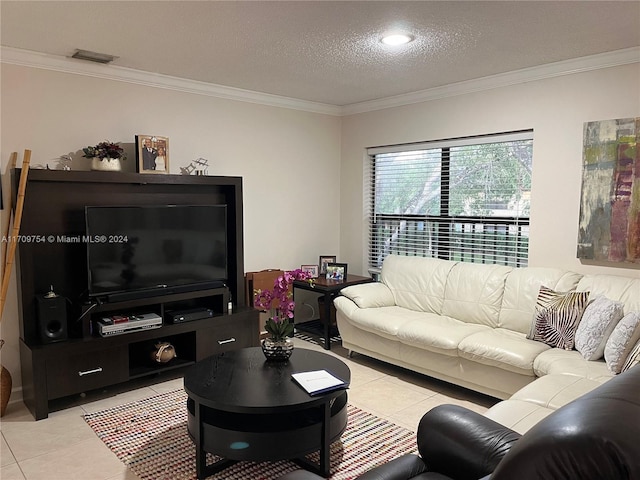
x: 324, y: 51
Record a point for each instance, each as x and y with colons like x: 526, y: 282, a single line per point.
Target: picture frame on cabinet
x: 336, y: 271
x: 152, y: 154
x: 324, y: 260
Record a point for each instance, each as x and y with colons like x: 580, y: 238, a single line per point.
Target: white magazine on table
x: 318, y: 381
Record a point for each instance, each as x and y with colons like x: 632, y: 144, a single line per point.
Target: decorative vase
x: 106, y: 164
x: 277, y: 350
x: 163, y: 352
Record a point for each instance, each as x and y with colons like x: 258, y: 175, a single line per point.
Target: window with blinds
x: 463, y: 199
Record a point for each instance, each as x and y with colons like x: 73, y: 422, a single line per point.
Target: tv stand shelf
x: 82, y: 360
x: 214, y: 299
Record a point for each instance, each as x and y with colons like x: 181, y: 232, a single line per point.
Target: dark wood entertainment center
x: 53, y: 215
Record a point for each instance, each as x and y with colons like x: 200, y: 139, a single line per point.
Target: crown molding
x: 566, y: 67
x: 27, y: 58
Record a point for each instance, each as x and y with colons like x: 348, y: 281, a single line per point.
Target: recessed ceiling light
x: 397, y: 39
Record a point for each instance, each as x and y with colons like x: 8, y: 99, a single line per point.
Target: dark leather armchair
x: 454, y: 443
x: 595, y: 437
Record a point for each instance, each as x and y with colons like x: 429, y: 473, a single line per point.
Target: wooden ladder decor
x: 12, y: 164
x: 17, y: 219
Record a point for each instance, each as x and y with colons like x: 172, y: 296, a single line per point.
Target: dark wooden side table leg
x: 327, y: 320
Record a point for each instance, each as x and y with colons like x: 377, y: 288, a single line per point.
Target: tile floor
x: 63, y: 447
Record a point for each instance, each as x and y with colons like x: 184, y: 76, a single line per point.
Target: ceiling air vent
x: 93, y: 56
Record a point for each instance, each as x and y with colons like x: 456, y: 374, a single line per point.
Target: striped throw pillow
x: 557, y: 316
x: 633, y: 359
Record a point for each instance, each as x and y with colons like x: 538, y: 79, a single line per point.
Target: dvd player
x: 118, y: 324
x: 181, y: 316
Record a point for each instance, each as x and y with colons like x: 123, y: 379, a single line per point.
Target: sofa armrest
x: 369, y: 295
x: 462, y: 444
x: 401, y: 468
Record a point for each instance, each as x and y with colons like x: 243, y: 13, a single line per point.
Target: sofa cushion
x: 474, y: 293
x: 620, y: 289
x: 384, y: 321
x: 437, y: 333
x: 518, y: 415
x: 555, y: 391
x: 622, y: 340
x: 521, y: 291
x: 502, y: 348
x: 598, y: 321
x: 556, y: 360
x: 540, y: 398
x: 557, y: 317
x: 417, y: 283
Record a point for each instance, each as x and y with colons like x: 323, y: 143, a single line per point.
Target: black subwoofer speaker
x: 52, y: 318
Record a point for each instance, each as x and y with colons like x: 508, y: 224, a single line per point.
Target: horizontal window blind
x: 461, y: 199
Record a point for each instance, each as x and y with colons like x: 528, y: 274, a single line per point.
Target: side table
x: 330, y: 289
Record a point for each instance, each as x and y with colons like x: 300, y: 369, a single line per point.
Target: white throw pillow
x: 621, y: 342
x: 598, y: 321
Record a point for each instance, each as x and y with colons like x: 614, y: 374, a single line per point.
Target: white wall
x: 288, y: 159
x: 303, y: 172
x: 555, y: 109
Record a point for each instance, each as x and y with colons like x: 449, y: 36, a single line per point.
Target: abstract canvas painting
x: 610, y: 204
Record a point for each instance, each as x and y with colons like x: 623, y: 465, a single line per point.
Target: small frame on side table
x: 336, y: 271
x: 324, y: 260
x: 311, y: 270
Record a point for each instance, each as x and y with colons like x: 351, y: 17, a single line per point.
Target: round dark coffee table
x: 243, y: 407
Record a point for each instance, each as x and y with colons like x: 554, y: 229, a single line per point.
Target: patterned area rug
x: 150, y: 437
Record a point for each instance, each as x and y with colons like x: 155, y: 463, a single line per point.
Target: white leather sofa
x: 467, y: 324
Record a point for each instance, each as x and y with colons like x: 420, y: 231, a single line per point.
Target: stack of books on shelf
x: 119, y: 324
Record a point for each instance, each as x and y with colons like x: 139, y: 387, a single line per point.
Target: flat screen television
x: 138, y: 251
